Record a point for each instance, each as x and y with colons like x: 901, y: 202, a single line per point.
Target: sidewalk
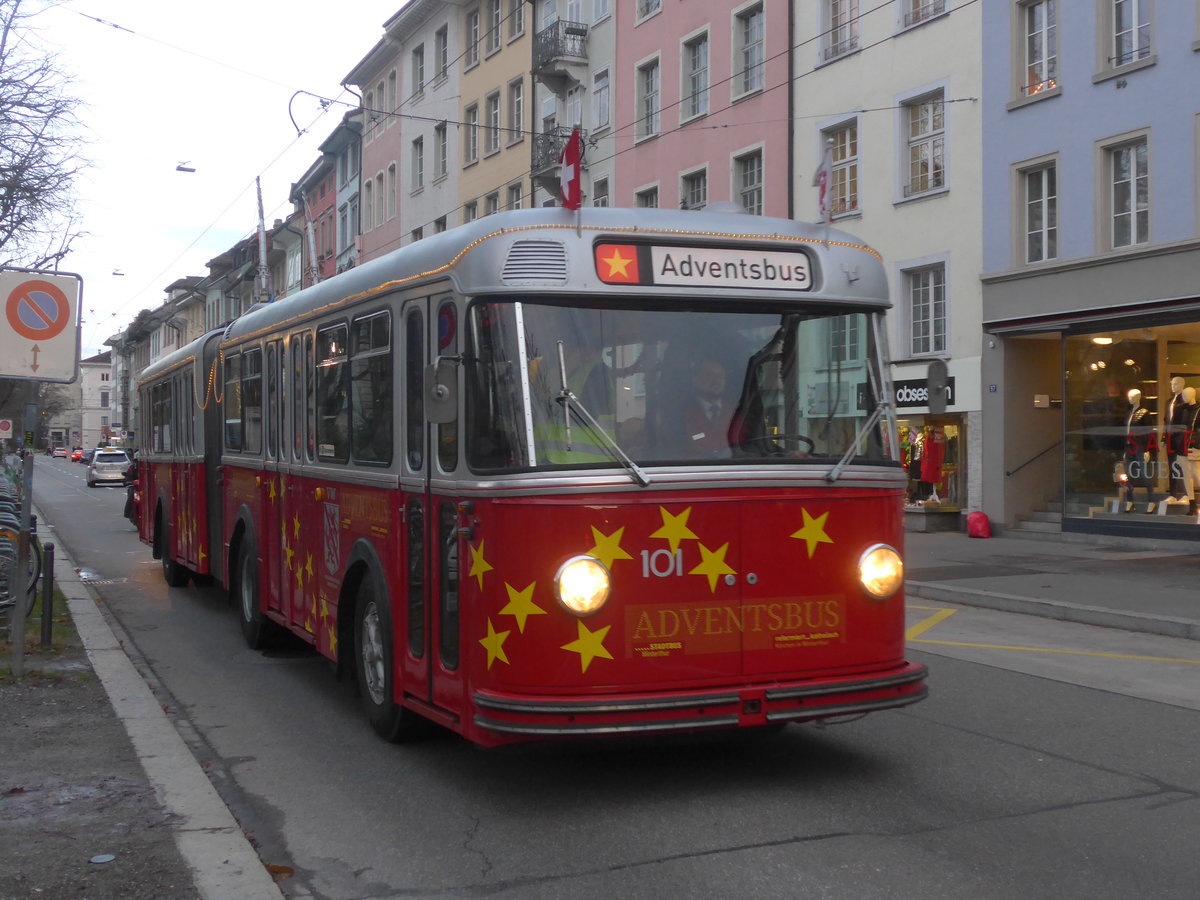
x: 121, y: 796
x: 102, y: 797
x: 1145, y: 586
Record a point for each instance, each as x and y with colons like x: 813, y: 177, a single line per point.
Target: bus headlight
x: 582, y: 585
x: 880, y: 571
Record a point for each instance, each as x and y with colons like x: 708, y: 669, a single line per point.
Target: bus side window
x: 447, y: 442
x: 333, y: 411
x: 233, y: 402
x: 371, y: 389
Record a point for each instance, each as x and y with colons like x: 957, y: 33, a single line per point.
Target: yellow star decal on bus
x: 675, y: 528
x: 308, y: 565
x: 712, y: 564
x: 589, y: 645
x: 295, y: 526
x: 289, y: 553
x: 608, y: 547
x: 479, y: 565
x: 332, y: 641
x: 299, y: 578
x: 271, y: 493
x: 521, y: 605
x: 813, y: 532
x: 494, y: 644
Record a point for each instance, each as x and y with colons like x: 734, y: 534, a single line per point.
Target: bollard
x: 47, y: 595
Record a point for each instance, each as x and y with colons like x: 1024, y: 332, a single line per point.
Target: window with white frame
x: 516, y: 110
x: 845, y: 338
x: 1040, y: 200
x: 648, y: 7
x: 600, y: 10
x: 748, y: 181
x: 418, y: 164
x: 918, y: 11
x: 391, y: 96
x: 471, y: 51
x: 471, y: 134
x: 600, y: 192
x: 439, y: 224
x: 368, y: 205
x: 515, y: 197
x: 441, y: 51
x: 492, y: 134
x: 694, y: 190
x: 843, y: 187
x: 695, y: 76
x: 1130, y: 31
x: 470, y: 211
x: 391, y: 191
x: 573, y: 107
x: 1040, y: 33
x: 1129, y: 198
x: 841, y: 28
x: 648, y: 99
x: 442, y: 160
x: 926, y: 289
x: 372, y: 115
x: 491, y: 204
x: 418, y: 69
x: 646, y: 199
x: 749, y: 38
x: 495, y: 17
x: 516, y: 18
x: 417, y: 234
x: 600, y: 100
x: 926, y: 144
x: 380, y: 205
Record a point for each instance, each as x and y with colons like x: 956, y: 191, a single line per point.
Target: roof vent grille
x: 543, y: 262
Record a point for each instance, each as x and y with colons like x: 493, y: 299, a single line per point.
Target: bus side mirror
x: 441, y: 391
x: 935, y: 386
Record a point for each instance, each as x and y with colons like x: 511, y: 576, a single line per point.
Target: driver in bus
x: 706, y: 415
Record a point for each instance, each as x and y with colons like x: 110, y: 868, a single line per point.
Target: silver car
x: 107, y: 467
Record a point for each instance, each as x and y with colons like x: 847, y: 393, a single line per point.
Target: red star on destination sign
x: 617, y: 263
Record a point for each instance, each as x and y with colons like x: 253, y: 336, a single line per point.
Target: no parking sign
x: 39, y: 337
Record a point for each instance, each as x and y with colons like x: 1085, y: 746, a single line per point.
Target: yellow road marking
x: 1193, y: 662
x: 923, y: 626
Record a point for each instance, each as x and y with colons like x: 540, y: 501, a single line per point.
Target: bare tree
x: 40, y: 145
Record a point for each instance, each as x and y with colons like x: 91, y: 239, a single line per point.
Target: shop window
x: 931, y: 449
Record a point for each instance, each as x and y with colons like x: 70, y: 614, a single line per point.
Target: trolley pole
x: 20, y: 595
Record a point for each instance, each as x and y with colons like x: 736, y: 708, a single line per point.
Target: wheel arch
x: 363, y: 562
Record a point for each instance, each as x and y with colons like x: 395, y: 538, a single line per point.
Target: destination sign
x: 742, y: 268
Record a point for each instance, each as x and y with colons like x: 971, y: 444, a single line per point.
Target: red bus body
x: 736, y: 598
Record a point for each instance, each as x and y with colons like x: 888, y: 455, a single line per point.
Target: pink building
x: 702, y: 111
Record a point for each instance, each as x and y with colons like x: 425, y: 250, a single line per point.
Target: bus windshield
x: 551, y: 385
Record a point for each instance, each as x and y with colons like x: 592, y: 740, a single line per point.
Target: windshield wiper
x: 570, y: 402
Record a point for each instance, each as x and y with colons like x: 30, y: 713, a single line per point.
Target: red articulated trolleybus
x: 545, y: 476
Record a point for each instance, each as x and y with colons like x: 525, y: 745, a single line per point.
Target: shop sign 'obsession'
x: 915, y: 393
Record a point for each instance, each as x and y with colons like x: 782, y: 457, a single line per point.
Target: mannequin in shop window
x: 1175, y: 440
x: 932, y: 457
x: 1190, y: 459
x: 1139, y: 435
x: 916, y: 445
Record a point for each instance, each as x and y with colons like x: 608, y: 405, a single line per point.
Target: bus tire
x: 374, y: 667
x: 174, y: 574
x: 256, y: 627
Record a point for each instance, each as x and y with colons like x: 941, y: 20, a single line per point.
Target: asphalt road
x: 1005, y: 783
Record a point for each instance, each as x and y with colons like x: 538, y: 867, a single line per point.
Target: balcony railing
x: 562, y: 40
x: 548, y: 148
x: 840, y: 48
x: 921, y: 12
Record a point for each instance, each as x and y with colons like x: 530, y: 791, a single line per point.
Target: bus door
x: 430, y: 635
x: 295, y: 361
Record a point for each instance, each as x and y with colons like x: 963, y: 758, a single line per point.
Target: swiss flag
x: 572, y: 194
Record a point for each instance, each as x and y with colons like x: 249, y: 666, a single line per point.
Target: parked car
x: 77, y: 454
x: 59, y: 453
x: 107, y: 467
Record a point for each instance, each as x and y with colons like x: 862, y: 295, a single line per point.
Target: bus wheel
x: 174, y: 574
x: 374, y: 667
x: 256, y: 627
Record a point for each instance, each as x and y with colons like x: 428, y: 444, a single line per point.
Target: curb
x: 223, y: 863
x: 1168, y: 626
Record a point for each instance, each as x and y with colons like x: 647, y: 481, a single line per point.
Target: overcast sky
x: 205, y: 84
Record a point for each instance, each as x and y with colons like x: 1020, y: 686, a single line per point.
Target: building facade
x: 904, y: 174
x: 1090, y: 253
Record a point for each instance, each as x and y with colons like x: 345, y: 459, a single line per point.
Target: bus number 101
x: 662, y: 563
